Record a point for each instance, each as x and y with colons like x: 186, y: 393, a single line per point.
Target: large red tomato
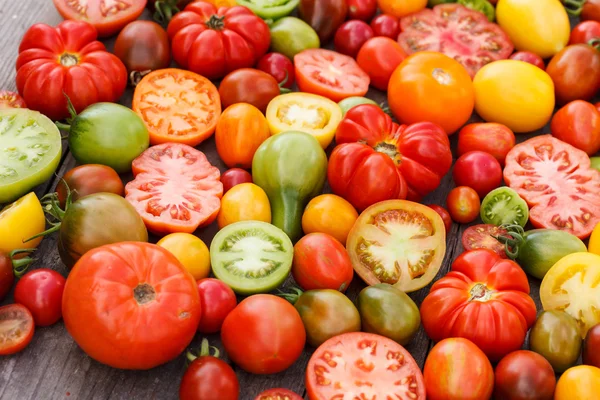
x: 67, y: 60
x: 144, y: 310
x: 485, y: 299
x: 524, y: 375
x: 421, y: 151
x: 215, y: 42
x: 578, y: 123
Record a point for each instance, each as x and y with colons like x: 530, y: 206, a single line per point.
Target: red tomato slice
x: 558, y: 184
x: 482, y: 237
x: 367, y: 365
x: 278, y: 394
x: 175, y: 189
x: 330, y: 74
x: 11, y: 100
x: 16, y: 328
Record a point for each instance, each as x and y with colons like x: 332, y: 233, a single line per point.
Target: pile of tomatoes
x: 281, y: 87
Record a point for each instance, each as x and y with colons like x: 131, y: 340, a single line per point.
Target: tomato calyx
x: 595, y: 43
x: 204, y: 351
x: 68, y: 60
x: 20, y: 265
x: 144, y: 294
x: 480, y: 292
x: 165, y: 9
x: 136, y: 77
x: 514, y: 237
x: 573, y: 7
x: 216, y: 22
x: 292, y: 296
x: 390, y: 150
x: 51, y: 205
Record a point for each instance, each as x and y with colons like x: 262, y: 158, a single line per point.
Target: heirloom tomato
x: 379, y: 57
x: 524, y: 375
x: 581, y: 382
x: 556, y: 337
x: 479, y: 171
x: 235, y: 38
x: 386, y: 25
x: 463, y: 204
x: 530, y: 58
x: 492, y: 138
x: 398, y: 242
x: 485, y: 288
x: 324, y: 16
x: 401, y: 8
x: 249, y: 85
x: 279, y: 67
x: 584, y: 32
x: 504, y: 207
x: 20, y: 221
x: 329, y: 214
x: 429, y: 86
x: 362, y: 9
x: 591, y: 344
x: 575, y: 71
x: 444, y: 214
x: 16, y: 330
x: 268, y: 9
x: 41, y: 291
x: 591, y: 10
x: 88, y: 179
x: 278, y: 394
x: 244, y: 202
x: 10, y: 99
x: 217, y: 300
x: 233, y: 177
x: 351, y: 102
x: 291, y: 35
x: 191, y: 252
x: 154, y: 301
x: 483, y: 236
x: 421, y: 152
x: 79, y: 67
x: 351, y: 35
x: 578, y: 123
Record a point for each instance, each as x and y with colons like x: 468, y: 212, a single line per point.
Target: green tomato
x: 108, y: 134
x: 270, y: 9
x: 351, y: 102
x: 30, y: 150
x: 291, y: 35
x: 483, y: 6
x: 433, y: 3
x: 504, y: 206
x: 595, y: 163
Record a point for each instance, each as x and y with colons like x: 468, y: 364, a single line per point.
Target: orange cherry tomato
x: 463, y: 204
x: 329, y: 214
x: 401, y: 8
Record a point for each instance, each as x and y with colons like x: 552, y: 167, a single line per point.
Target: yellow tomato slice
x: 19, y: 221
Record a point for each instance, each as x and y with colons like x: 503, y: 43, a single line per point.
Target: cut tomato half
x: 278, y: 394
x: 16, y: 328
x: 482, y: 236
x: 10, y: 99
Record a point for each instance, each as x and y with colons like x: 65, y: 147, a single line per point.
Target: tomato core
x: 480, y: 292
x: 310, y: 116
x: 390, y: 150
x: 441, y: 76
x: 144, y: 293
x: 216, y: 23
x: 68, y: 60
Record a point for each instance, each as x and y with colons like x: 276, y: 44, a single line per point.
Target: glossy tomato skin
x: 244, y: 202
x: 463, y: 204
x: 591, y: 10
x: 591, y: 344
x: 575, y: 71
x: 524, y: 375
x: 7, y: 275
x: 479, y: 171
x: 234, y: 176
x: 217, y: 300
x: 530, y: 58
x: 89, y: 179
x: 350, y: 37
x: 489, y: 137
x: 401, y: 8
x: 362, y: 9
x: 41, y: 291
x: 386, y: 25
x: 444, y: 214
x: 584, y: 32
x: 581, y: 382
x: 10, y: 99
x: 71, y: 68
x: 578, y: 123
x: 248, y: 85
x: 278, y: 394
x: 209, y: 378
x: 329, y: 214
x: 379, y: 57
x: 279, y: 67
x: 324, y: 16
x: 18, y: 332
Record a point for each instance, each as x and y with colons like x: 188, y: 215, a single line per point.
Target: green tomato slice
x: 595, y: 163
x: 251, y: 256
x: 503, y: 206
x: 30, y: 150
x: 270, y: 9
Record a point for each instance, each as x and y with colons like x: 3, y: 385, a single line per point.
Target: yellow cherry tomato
x: 244, y: 202
x: 514, y: 93
x: 19, y: 221
x: 329, y: 214
x: 539, y: 26
x: 579, y: 383
x: 190, y: 251
x: 594, y: 245
x: 401, y: 8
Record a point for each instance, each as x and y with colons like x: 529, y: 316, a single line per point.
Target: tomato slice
x: 558, y: 184
x: 10, y: 99
x: 16, y: 328
x: 330, y: 74
x: 482, y: 237
x: 175, y: 189
x: 177, y: 106
x: 398, y: 242
x: 278, y: 394
x: 367, y: 365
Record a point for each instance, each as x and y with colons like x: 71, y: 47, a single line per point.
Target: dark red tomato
x: 578, y: 123
x: 591, y: 345
x: 279, y: 67
x: 530, y: 58
x: 489, y: 137
x: 217, y: 300
x: 41, y: 291
x: 463, y: 204
x: 479, y: 171
x: 386, y: 25
x: 89, y: 179
x: 234, y: 176
x: 10, y: 99
x: 379, y: 57
x: 278, y: 394
x: 591, y: 10
x: 248, y: 85
x: 444, y: 214
x: 584, y: 32
x: 11, y: 266
x: 575, y: 71
x: 524, y: 375
x: 209, y: 378
x: 351, y: 35
x: 361, y: 9
x: 325, y: 16
x: 16, y: 329
x: 482, y: 236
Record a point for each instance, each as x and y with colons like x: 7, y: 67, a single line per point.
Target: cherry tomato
x: 379, y: 57
x: 591, y: 344
x: 530, y: 58
x: 444, y: 214
x: 351, y: 35
x: 386, y: 25
x: 575, y: 71
x: 329, y: 214
x: 209, y: 378
x: 591, y: 10
x: 10, y: 99
x: 89, y: 179
x: 41, y: 291
x: 524, y: 375
x: 578, y: 123
x: 217, y: 300
x: 191, y: 252
x: 361, y: 9
x: 463, y: 204
x: 16, y: 330
x: 278, y: 394
x: 492, y: 138
x: 279, y: 67
x: 584, y: 32
x: 234, y: 176
x: 479, y: 171
x: 247, y: 85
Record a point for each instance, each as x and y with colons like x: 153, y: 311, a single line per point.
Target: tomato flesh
x: 16, y: 328
x: 278, y: 394
x: 11, y: 100
x: 482, y: 237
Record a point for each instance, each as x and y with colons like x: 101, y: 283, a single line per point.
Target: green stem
x: 292, y: 296
x: 205, y: 350
x: 574, y: 7
x: 595, y: 43
x: 21, y: 265
x: 62, y: 127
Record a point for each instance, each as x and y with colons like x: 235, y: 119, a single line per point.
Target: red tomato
x: 235, y: 38
x: 234, y: 176
x: 463, y: 204
x: 482, y: 237
x: 524, y: 375
x: 584, y: 32
x: 175, y: 189
x: 248, y: 85
x: 264, y: 334
x: 324, y: 16
x: 88, y: 179
x: 379, y: 57
x: 492, y: 138
x: 578, y: 123
x: 456, y: 369
x: 41, y: 291
x: 530, y: 58
x: 591, y: 10
x: 361, y: 9
x: 321, y: 262
x: 350, y: 37
x: 444, y: 214
x: 481, y: 290
x: 330, y: 74
x: 209, y: 378
x: 10, y: 99
x: 597, y: 105
x: 367, y: 365
x: 575, y: 71
x: 79, y: 65
x: 16, y: 330
x: 386, y: 25
x: 479, y: 171
x: 217, y: 300
x: 421, y: 152
x: 10, y: 265
x: 279, y: 67
x: 278, y: 394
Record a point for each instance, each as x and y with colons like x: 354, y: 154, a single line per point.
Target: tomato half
x: 10, y: 99
x: 41, y: 291
x: 278, y: 394
x: 492, y: 138
x: 16, y: 330
x: 482, y: 236
x: 578, y: 123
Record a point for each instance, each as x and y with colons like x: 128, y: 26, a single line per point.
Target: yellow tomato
x: 514, y: 93
x: 329, y: 214
x: 401, y: 8
x: 19, y: 221
x: 539, y: 26
x: 190, y: 251
x: 244, y: 202
x: 594, y: 245
x: 221, y: 3
x: 579, y: 383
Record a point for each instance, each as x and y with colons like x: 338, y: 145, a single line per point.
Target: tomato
x: 304, y: 112
x: 10, y: 99
x: 278, y: 394
x: 430, y: 86
x: 17, y: 329
x: 581, y: 383
x: 88, y: 179
x: 562, y: 193
x: 591, y: 10
x: 41, y: 291
x: 444, y: 214
x: 379, y: 57
x: 491, y: 138
x: 217, y: 300
x: 351, y: 35
x: 584, y: 32
x: 279, y: 67
x: 397, y: 242
x: 590, y: 353
x: 269, y: 10
x: 177, y: 106
x: 324, y: 16
x: 401, y: 8
x: 250, y: 86
x: 530, y: 58
x: 175, y: 189
x: 12, y: 264
x: 463, y: 204
x: 244, y: 202
x: 321, y: 262
x: 578, y: 123
x: 191, y: 252
x: 235, y: 38
x: 362, y: 9
x: 20, y: 221
x: 263, y: 334
x: 504, y: 207
x: 369, y: 365
x: 524, y: 375
x: 456, y: 369
x: 291, y: 35
x: 80, y: 67
x: 351, y: 102
x: 483, y: 236
x: 479, y: 171
x: 233, y: 177
x: 329, y: 214
x: 514, y: 93
x: 576, y: 73
x: 386, y: 25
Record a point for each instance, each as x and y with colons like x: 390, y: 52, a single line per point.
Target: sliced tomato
x: 482, y: 237
x: 16, y: 328
x: 557, y: 182
x: 278, y: 394
x: 177, y: 106
x: 175, y: 189
x: 367, y: 365
x: 10, y: 99
x: 330, y: 74
x: 457, y: 31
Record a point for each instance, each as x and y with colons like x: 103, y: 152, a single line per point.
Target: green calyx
x: 165, y: 10
x: 513, y: 239
x: 21, y: 265
x: 292, y: 296
x: 205, y: 350
x: 51, y: 206
x: 574, y: 7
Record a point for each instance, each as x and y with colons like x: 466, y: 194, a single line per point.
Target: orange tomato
x: 241, y: 130
x: 432, y: 87
x: 244, y: 202
x: 401, y: 8
x: 329, y: 214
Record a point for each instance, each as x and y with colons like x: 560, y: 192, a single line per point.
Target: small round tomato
x: 329, y: 214
x: 244, y: 202
x: 20, y: 221
x: 479, y: 171
x: 591, y: 344
x: 524, y: 375
x: 591, y: 10
x: 444, y: 214
x: 463, y: 204
x: 491, y: 138
x: 217, y: 300
x: 584, y: 32
x: 88, y: 179
x: 41, y: 291
x: 233, y: 177
x: 483, y: 236
x: 361, y: 9
x: 386, y: 25
x: 278, y: 394
x: 581, y: 382
x: 401, y: 8
x: 379, y: 57
x: 578, y: 123
x: 530, y: 58
x: 351, y: 35
x: 279, y: 67
x: 16, y: 330
x: 10, y: 99
x: 190, y: 251
x: 208, y: 378
x: 11, y: 266
x: 248, y: 85
x: 575, y: 71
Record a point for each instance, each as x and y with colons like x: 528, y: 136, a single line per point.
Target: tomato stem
x: 51, y: 206
x: 480, y: 292
x: 512, y: 240
x: 216, y: 22
x: 595, y: 43
x: 63, y: 127
x: 282, y: 89
x: 292, y: 296
x: 21, y: 265
x: 165, y: 9
x: 574, y: 7
x: 204, y: 351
